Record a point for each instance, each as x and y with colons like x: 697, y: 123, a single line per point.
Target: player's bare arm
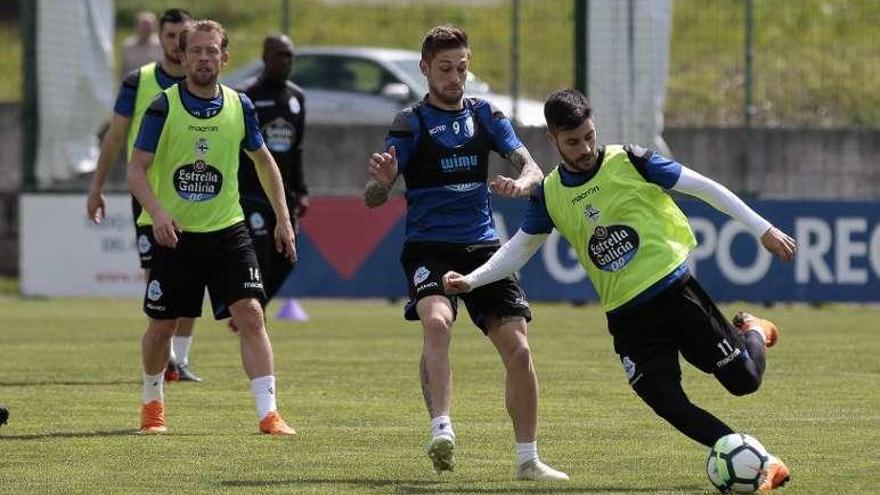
x: 113, y: 140
x: 530, y: 176
x: 779, y: 243
x: 383, y: 174
x: 270, y: 179
x: 165, y: 228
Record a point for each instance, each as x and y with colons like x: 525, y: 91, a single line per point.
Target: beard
x: 448, y: 96
x: 173, y: 57
x: 579, y: 164
x: 203, y: 78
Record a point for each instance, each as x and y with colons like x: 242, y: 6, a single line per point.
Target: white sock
x: 180, y: 349
x: 172, y: 359
x: 263, y: 389
x: 153, y: 388
x: 442, y: 425
x: 526, y: 452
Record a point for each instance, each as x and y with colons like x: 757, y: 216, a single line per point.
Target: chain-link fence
x: 815, y: 63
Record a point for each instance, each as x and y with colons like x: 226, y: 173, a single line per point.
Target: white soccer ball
x: 736, y: 463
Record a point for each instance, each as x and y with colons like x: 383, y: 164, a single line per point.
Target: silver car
x: 359, y: 85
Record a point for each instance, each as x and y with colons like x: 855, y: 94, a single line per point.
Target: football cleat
x: 535, y: 470
x: 153, y: 418
x: 745, y: 321
x: 184, y: 374
x: 171, y: 374
x: 4, y: 415
x: 776, y: 474
x: 441, y: 450
x: 273, y: 424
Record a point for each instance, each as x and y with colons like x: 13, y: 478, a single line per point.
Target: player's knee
x: 247, y: 314
x: 437, y: 325
x: 740, y: 383
x: 663, y: 395
x: 161, y: 329
x: 519, y: 357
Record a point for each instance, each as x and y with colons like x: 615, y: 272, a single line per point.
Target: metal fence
x: 764, y: 63
x: 812, y: 63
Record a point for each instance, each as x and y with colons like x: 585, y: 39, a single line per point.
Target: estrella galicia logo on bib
x: 279, y: 135
x: 612, y: 247
x: 198, y: 181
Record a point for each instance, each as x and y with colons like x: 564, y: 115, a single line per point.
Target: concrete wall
x: 778, y: 163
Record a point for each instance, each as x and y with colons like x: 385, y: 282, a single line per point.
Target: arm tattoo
x: 376, y: 194
x: 423, y: 375
x: 529, y: 172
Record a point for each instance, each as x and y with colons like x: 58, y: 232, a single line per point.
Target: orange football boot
x: 153, y: 418
x: 776, y: 474
x: 171, y: 373
x: 746, y: 321
x: 273, y: 424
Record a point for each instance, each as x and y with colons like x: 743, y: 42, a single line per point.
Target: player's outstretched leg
x: 508, y: 334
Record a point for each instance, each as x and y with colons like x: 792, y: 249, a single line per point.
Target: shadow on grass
x: 426, y: 486
x: 68, y: 434
x: 67, y: 383
x: 97, y: 434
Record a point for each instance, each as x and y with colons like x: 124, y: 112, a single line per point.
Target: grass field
x: 70, y: 375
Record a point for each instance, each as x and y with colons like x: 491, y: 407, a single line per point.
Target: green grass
x: 816, y: 62
x: 347, y: 380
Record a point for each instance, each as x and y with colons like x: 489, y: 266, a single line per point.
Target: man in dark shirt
x: 281, y: 110
x: 441, y: 147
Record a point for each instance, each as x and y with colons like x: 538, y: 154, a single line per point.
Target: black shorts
x: 144, y: 240
x: 274, y: 266
x: 224, y: 261
x: 425, y: 263
x: 682, y: 319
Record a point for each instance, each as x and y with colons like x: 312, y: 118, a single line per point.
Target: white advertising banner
x: 64, y: 254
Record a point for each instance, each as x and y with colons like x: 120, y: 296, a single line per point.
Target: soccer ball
x: 736, y: 463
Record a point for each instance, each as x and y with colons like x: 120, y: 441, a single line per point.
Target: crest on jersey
x: 154, y: 291
x: 293, y: 103
x: 202, y: 147
x: 591, y: 213
x: 143, y: 244
x: 422, y: 273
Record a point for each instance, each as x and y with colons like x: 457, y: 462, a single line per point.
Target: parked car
x: 359, y: 85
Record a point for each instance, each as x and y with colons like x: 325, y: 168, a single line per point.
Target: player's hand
x: 505, y: 186
x: 285, y: 240
x: 453, y: 283
x: 95, y: 207
x: 779, y: 243
x: 383, y: 167
x: 302, y: 205
x: 165, y: 229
